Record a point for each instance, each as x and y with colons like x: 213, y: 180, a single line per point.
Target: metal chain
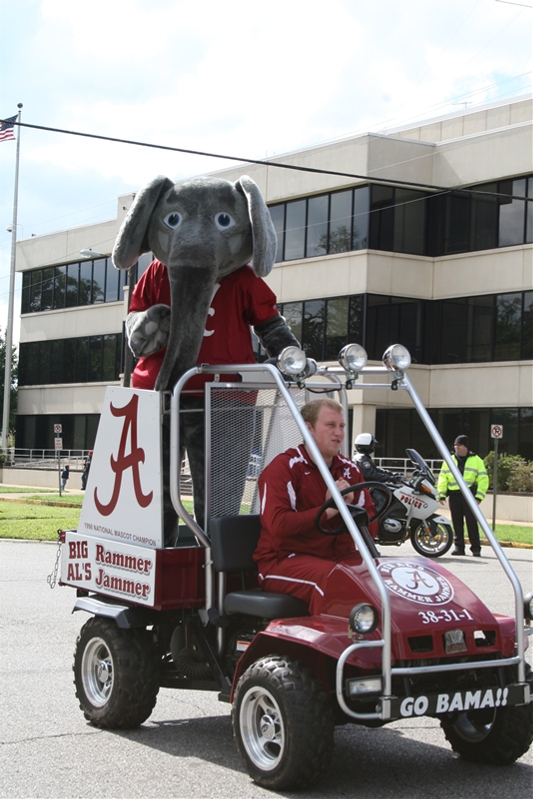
x: 52, y: 578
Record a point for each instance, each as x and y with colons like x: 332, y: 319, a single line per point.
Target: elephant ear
x: 131, y: 240
x: 263, y: 231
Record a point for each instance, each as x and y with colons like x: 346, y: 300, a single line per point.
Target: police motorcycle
x: 411, y: 513
x: 396, y: 638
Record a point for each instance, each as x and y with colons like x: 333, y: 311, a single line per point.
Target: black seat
x: 233, y: 543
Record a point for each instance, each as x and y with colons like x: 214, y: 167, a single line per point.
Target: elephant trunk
x: 191, y: 289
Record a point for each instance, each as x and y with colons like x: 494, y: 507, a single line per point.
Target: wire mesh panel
x: 246, y: 429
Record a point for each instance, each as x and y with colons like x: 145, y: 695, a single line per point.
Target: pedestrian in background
x: 65, y: 475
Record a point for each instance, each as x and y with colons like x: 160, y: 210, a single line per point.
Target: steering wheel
x: 349, y: 489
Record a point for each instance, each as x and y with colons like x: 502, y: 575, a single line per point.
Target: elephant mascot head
x: 202, y: 230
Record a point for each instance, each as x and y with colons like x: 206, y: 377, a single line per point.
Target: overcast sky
x: 239, y: 77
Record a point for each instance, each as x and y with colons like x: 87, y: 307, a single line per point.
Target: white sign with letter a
x: 123, y: 497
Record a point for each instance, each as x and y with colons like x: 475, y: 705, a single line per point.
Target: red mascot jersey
x: 240, y: 300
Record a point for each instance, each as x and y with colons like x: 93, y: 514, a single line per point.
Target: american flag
x: 6, y: 128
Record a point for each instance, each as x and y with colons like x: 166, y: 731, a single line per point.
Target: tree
x: 14, y: 382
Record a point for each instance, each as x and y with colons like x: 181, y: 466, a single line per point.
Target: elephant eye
x: 172, y: 220
x: 223, y: 221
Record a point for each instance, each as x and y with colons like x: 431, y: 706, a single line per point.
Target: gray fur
x: 197, y: 251
x: 275, y: 335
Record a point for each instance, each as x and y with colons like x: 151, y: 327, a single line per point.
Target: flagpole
x: 11, y: 299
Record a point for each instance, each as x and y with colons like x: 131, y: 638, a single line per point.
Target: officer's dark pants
x: 232, y: 434
x: 460, y: 511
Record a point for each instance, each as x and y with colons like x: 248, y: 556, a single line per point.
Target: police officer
x: 473, y: 470
x: 365, y: 444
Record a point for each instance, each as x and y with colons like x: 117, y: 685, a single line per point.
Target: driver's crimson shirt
x: 240, y: 301
x: 291, y: 490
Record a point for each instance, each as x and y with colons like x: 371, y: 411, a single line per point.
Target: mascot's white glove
x: 148, y: 331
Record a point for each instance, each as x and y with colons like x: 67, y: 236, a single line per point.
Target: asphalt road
x: 185, y: 749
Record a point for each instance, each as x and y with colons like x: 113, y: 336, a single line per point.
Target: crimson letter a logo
x: 123, y: 461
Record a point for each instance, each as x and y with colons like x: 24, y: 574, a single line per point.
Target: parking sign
x: 496, y: 431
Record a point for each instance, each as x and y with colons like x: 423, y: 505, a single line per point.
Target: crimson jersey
x: 240, y: 300
x: 291, y: 490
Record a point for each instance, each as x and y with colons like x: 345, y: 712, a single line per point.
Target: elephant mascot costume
x: 213, y: 243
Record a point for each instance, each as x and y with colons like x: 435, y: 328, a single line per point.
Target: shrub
x: 512, y: 471
x: 521, y: 478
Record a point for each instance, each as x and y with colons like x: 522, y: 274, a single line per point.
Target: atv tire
x: 115, y: 674
x: 282, y: 723
x: 491, y: 736
x: 433, y: 543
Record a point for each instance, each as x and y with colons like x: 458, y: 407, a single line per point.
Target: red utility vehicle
x: 397, y: 637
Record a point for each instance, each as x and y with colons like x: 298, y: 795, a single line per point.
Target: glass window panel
x: 57, y: 361
x: 313, y: 329
x: 293, y: 316
x: 44, y: 355
x: 398, y: 433
x: 450, y: 423
x: 377, y: 326
x: 22, y: 365
x: 119, y: 356
x: 485, y: 219
x: 317, y: 226
x: 340, y: 225
x: 25, y: 301
x: 457, y: 223
x: 382, y: 218
x: 529, y: 222
x: 525, y: 438
x: 519, y: 187
x: 480, y: 319
x: 47, y: 289
x: 80, y: 423
x: 109, y: 357
x: 406, y: 325
x: 454, y: 320
x: 95, y: 358
x: 278, y: 219
x: 111, y: 283
x: 512, y: 216
x: 69, y: 361
x: 59, y: 287
x: 82, y: 359
x: 35, y: 292
x: 33, y: 363
x: 71, y: 298
x: 508, y: 323
x: 530, y: 187
x: 295, y: 230
x: 336, y: 327
x: 527, y: 326
x: 409, y: 222
x: 361, y: 217
x: 85, y: 283
x: 99, y: 270
x: 356, y: 327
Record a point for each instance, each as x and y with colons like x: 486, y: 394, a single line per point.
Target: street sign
x: 58, y: 428
x: 496, y: 431
x: 58, y: 444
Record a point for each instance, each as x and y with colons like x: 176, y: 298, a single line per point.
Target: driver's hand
x: 442, y: 502
x: 348, y: 498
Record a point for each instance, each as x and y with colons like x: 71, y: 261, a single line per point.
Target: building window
x: 84, y: 283
x: 86, y: 359
x: 401, y: 220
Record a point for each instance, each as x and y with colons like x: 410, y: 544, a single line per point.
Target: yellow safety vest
x: 474, y: 474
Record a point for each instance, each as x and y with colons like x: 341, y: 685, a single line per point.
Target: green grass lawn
x: 24, y: 490
x: 41, y: 522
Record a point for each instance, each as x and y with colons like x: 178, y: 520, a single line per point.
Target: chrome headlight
x: 292, y: 361
x: 397, y: 358
x: 352, y: 357
x: 363, y: 618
